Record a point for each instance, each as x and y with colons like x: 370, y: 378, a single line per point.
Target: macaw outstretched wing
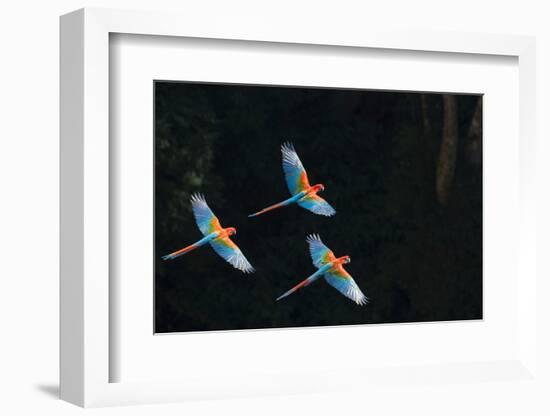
x: 295, y: 174
x: 231, y: 253
x: 320, y: 254
x: 317, y: 205
x: 204, y: 217
x: 344, y: 283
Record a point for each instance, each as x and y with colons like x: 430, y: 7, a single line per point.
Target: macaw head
x: 346, y: 259
x: 231, y: 231
x: 319, y: 187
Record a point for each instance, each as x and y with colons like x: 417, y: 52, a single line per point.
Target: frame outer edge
x: 95, y: 194
x: 528, y: 206
x: 71, y: 202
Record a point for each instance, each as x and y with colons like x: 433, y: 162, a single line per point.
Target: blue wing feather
x: 317, y: 205
x: 295, y: 174
x: 204, y: 217
x: 231, y: 253
x: 344, y: 283
x: 320, y: 254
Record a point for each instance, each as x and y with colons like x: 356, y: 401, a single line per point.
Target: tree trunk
x: 473, y: 141
x: 447, y: 152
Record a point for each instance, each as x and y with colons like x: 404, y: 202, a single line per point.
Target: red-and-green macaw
x: 331, y: 268
x: 216, y: 235
x: 297, y: 181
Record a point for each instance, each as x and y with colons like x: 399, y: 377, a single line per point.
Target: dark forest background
x: 403, y: 171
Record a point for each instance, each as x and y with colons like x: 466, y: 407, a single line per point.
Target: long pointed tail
x: 272, y: 207
x: 302, y: 284
x: 181, y: 252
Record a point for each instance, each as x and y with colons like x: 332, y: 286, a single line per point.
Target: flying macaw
x: 331, y: 268
x: 302, y: 192
x: 214, y: 234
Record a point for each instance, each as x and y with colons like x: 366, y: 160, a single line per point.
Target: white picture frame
x: 85, y: 216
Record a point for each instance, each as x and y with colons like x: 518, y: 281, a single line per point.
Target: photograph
x: 292, y: 206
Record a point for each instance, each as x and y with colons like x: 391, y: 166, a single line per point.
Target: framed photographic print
x: 231, y: 197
